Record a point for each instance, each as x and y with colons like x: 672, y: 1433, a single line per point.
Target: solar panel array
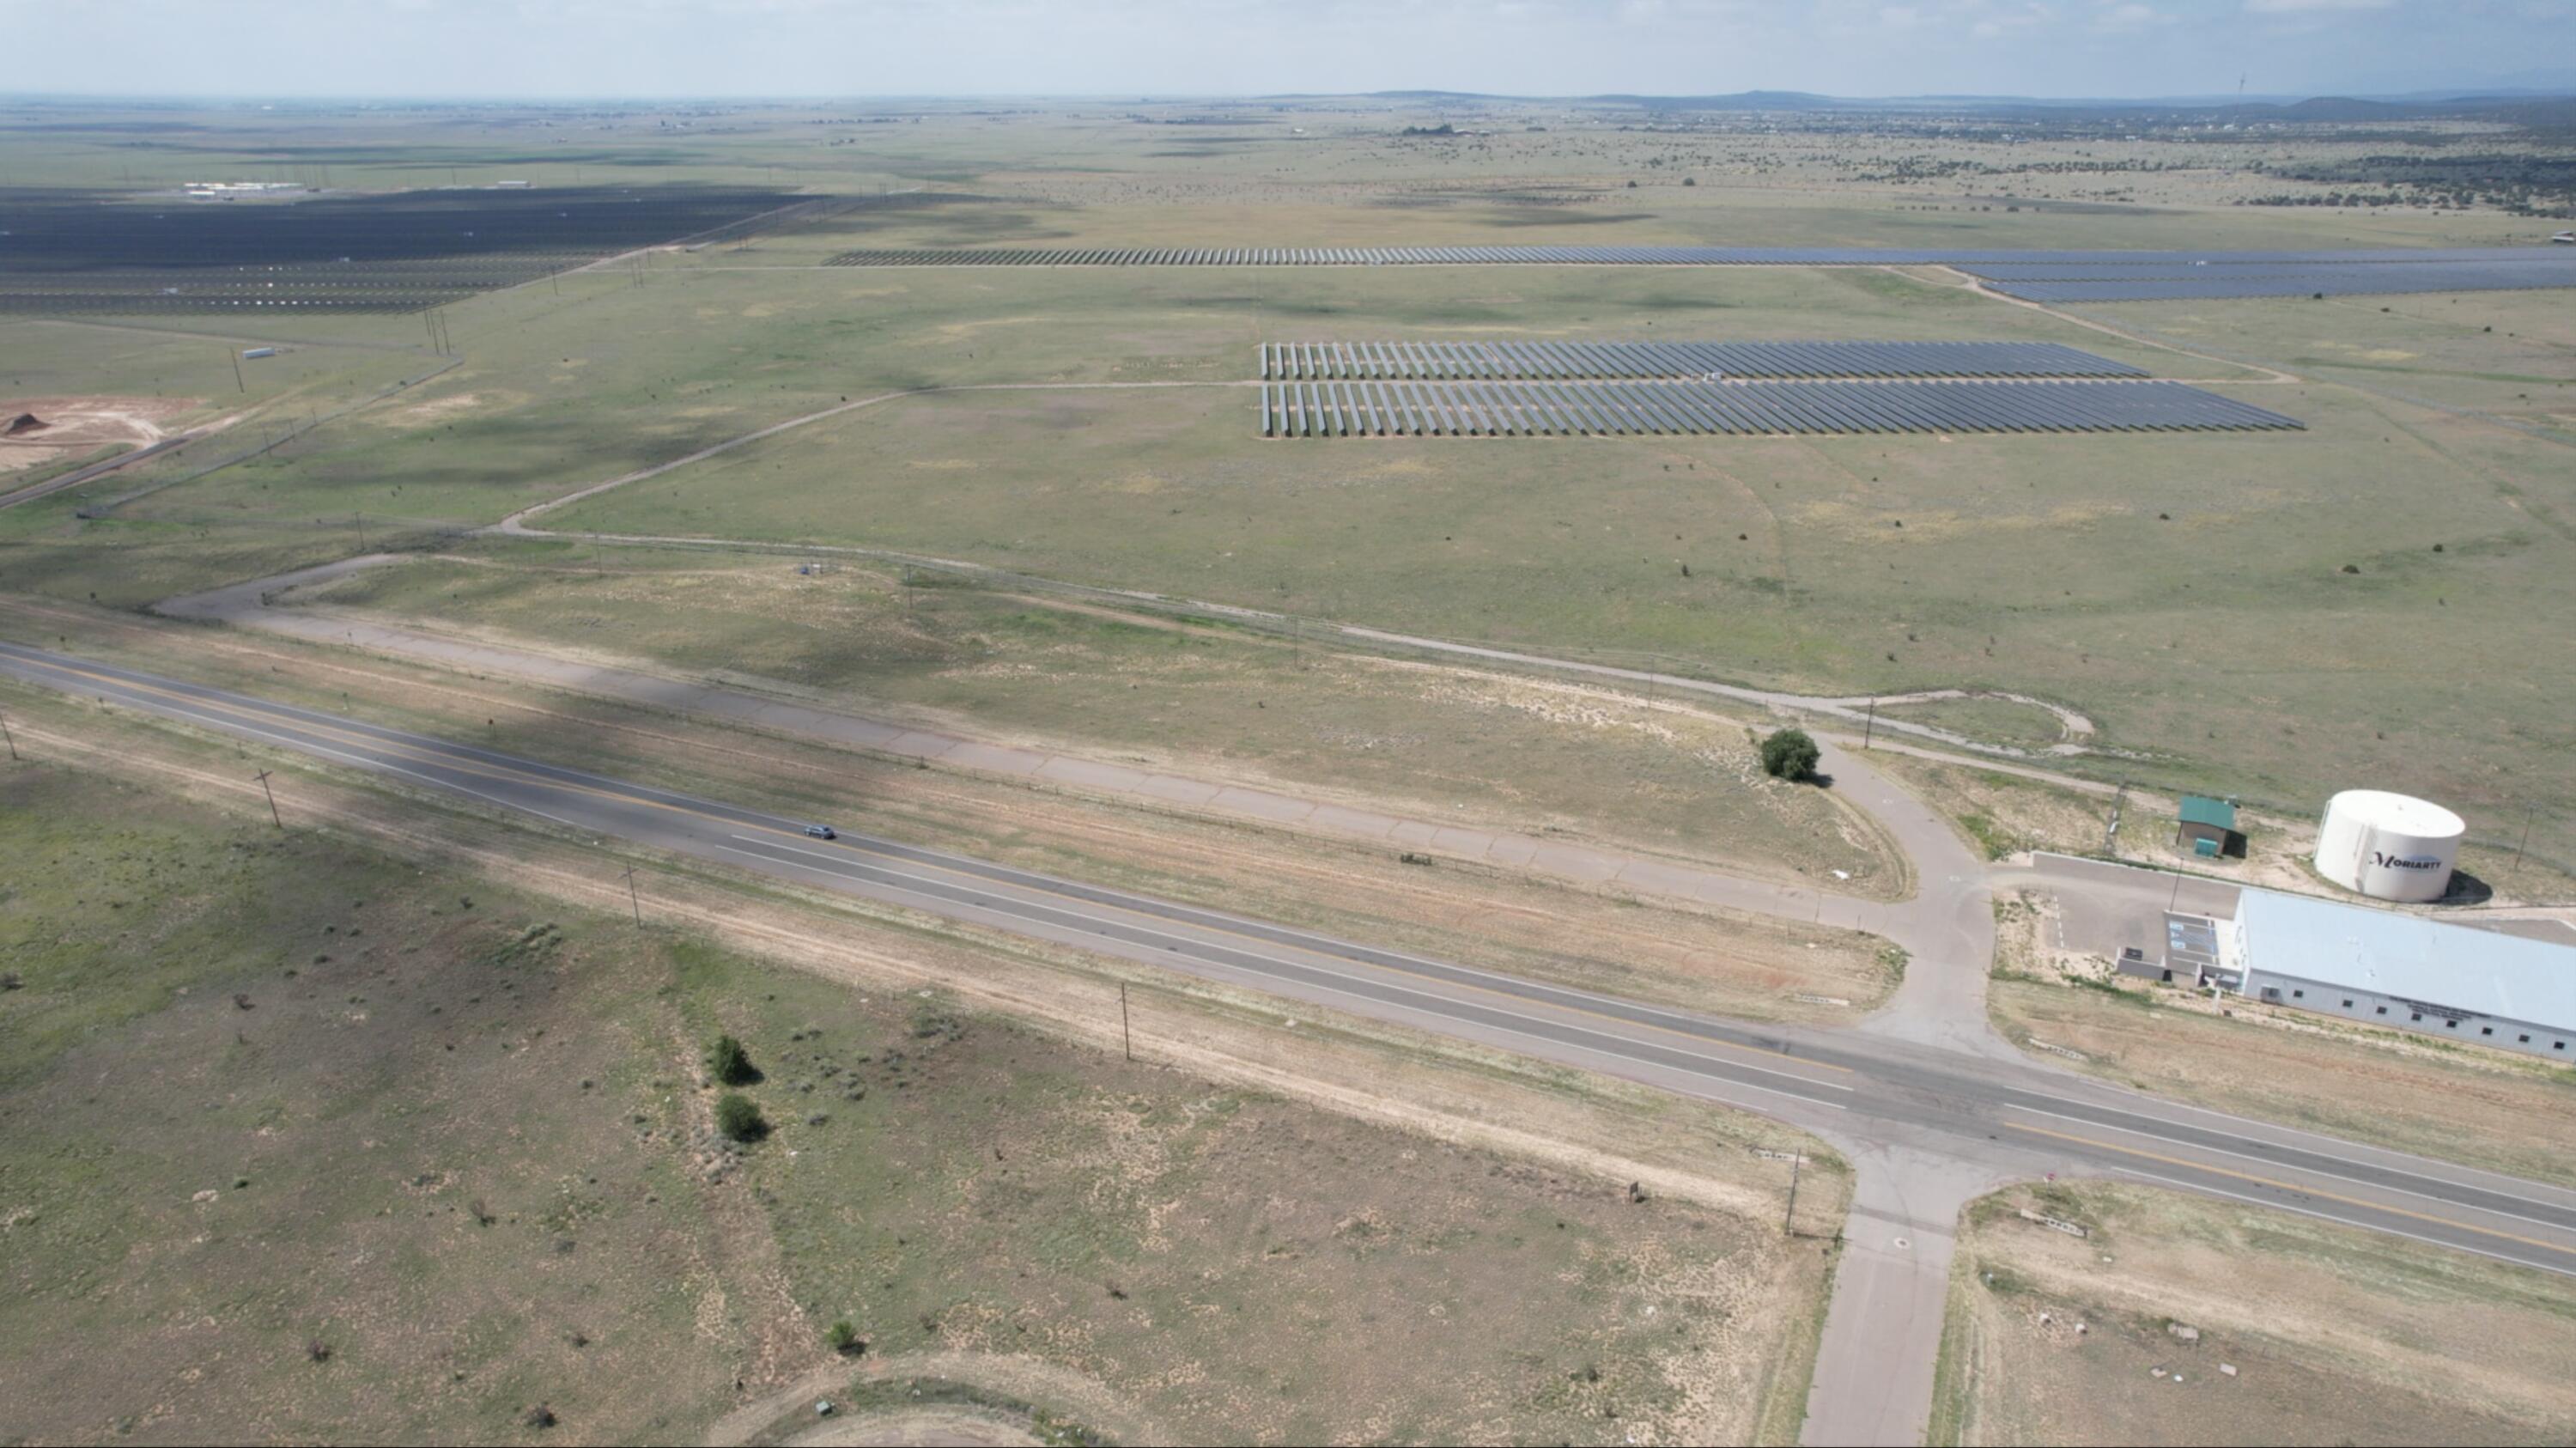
x: 2266, y: 279
x: 1297, y: 361
x: 2056, y: 276
x: 1447, y: 408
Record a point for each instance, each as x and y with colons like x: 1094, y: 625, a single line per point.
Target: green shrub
x: 729, y: 1063
x: 845, y: 1339
x: 739, y: 1119
x: 1790, y: 754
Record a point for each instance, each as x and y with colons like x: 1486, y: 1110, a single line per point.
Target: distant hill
x: 2539, y: 108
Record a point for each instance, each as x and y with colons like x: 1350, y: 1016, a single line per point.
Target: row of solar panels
x: 2331, y: 281
x: 1285, y: 361
x: 1629, y: 408
x: 2197, y: 270
x: 1665, y: 256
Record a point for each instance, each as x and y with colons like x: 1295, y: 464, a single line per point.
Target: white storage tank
x: 2389, y: 846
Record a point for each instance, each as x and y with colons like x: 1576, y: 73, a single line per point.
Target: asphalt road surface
x: 1945, y: 1123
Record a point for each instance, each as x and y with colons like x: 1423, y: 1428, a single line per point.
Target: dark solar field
x: 2060, y: 276
x: 1477, y: 408
x: 2138, y: 284
x: 1287, y: 361
x: 76, y: 253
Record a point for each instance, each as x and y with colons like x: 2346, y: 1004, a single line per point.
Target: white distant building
x: 2386, y: 969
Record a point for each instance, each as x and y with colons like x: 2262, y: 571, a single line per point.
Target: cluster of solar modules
x: 72, y: 252
x: 1632, y: 407
x: 2056, y: 276
x: 1305, y: 361
x: 2282, y: 274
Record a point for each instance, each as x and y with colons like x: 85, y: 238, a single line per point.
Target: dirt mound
x: 23, y: 422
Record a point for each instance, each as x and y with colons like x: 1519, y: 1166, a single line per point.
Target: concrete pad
x: 1512, y: 850
x: 994, y: 759
x: 927, y: 746
x: 1262, y: 804
x: 1180, y: 791
x: 1471, y: 843
x: 1665, y: 879
x: 1091, y: 774
x: 1574, y: 862
x: 866, y: 733
x: 1345, y: 821
x: 1412, y: 832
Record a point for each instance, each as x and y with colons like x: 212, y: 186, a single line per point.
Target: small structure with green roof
x: 2209, y: 827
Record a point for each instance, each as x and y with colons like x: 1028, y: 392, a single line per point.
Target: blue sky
x: 1093, y: 47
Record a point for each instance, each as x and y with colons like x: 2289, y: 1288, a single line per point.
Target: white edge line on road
x: 1354, y: 995
x: 2345, y: 1221
x: 2292, y: 1166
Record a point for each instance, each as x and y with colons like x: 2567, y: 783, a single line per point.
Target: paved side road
x: 1934, y: 926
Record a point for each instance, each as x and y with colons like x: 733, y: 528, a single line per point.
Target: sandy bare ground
x: 933, y: 1427
x: 83, y: 424
x: 2290, y: 1330
x: 1008, y: 1375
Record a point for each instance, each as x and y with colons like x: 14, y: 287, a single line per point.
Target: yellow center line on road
x: 482, y: 769
x: 2277, y: 1185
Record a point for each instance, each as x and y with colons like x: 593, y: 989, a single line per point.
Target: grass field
x: 1553, y: 758
x: 2188, y: 593
x: 1504, y: 920
x: 310, y: 1140
x: 2304, y: 1332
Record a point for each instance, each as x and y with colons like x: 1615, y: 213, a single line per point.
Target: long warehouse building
x: 2383, y: 968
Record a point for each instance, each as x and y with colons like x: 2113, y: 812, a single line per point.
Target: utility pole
x: 633, y: 897
x: 362, y: 531
x: 1869, y: 730
x: 1789, y: 1222
x: 12, y: 738
x: 1126, y: 1035
x: 235, y: 354
x: 272, y: 800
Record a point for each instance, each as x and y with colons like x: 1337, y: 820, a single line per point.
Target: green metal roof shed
x: 2200, y: 809
x: 2208, y: 827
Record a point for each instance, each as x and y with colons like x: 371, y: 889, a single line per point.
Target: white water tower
x: 2389, y: 846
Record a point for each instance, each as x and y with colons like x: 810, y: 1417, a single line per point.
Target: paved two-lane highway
x: 1929, y: 1124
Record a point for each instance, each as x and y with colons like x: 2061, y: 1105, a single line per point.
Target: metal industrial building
x: 2387, y: 969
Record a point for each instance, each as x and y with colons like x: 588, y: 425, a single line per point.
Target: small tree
x: 729, y: 1063
x: 737, y: 1118
x: 845, y: 1339
x: 1790, y: 754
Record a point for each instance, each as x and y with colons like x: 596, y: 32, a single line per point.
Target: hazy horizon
x: 573, y: 50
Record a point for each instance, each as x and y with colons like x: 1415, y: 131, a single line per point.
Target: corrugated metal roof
x: 2200, y: 809
x: 2407, y: 956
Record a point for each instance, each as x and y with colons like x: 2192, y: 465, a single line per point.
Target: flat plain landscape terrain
x: 423, y: 1153
x: 390, y: 1114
